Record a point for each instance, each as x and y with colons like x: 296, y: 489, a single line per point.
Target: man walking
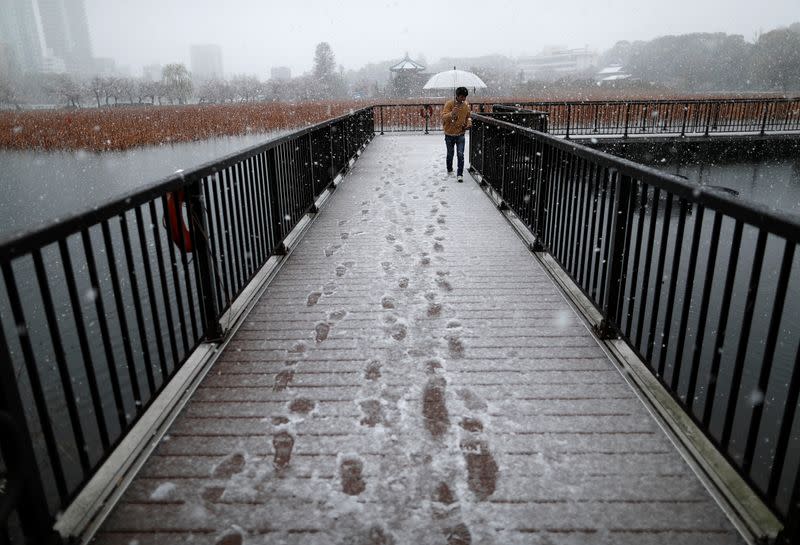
x: 456, y: 120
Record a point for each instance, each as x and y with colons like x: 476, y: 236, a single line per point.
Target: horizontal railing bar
x: 17, y: 244
x: 774, y: 221
x: 202, y: 265
x: 655, y: 327
x: 660, y: 101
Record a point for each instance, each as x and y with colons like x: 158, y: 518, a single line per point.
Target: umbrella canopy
x: 450, y: 79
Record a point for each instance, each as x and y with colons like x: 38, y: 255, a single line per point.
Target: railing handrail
x: 652, y: 101
x: 159, y: 278
x: 602, y: 218
x: 621, y: 117
x: 504, y: 108
x: 775, y: 221
x: 14, y: 244
x: 591, y: 101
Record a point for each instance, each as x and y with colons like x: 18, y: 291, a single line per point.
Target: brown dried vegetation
x: 123, y: 128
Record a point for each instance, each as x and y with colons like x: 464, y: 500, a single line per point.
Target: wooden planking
x: 411, y: 331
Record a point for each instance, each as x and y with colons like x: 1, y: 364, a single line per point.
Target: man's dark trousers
x: 458, y: 143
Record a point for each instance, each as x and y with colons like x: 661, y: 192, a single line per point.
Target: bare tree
x: 215, y: 91
x: 96, y: 86
x: 148, y: 89
x: 8, y: 94
x: 126, y: 88
x: 246, y: 88
x: 66, y: 90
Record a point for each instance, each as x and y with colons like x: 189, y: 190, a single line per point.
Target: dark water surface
x: 775, y: 183
x: 39, y: 187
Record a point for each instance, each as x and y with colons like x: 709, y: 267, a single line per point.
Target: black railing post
x: 790, y: 534
x: 204, y: 260
x: 764, y: 118
x: 569, y: 115
x: 314, y: 188
x: 708, y: 119
x: 644, y: 120
x: 715, y: 123
x: 483, y: 150
x: 615, y: 279
x: 627, y: 114
x: 19, y: 456
x: 276, y: 218
x: 332, y: 167
x: 381, y: 107
x: 541, y: 188
x: 685, y: 118
x: 345, y: 132
x: 503, y: 176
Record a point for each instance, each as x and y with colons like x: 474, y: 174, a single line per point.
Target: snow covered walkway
x: 413, y: 376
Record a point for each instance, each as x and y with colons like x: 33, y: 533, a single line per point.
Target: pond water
x: 774, y: 183
x: 40, y: 187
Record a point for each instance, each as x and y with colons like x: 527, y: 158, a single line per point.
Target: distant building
x: 557, y: 62
x: 152, y: 72
x: 66, y: 33
x: 280, y: 73
x: 408, y: 77
x: 611, y: 73
x: 7, y: 64
x: 407, y: 66
x: 20, y: 32
x: 53, y: 65
x: 46, y: 35
x: 206, y: 62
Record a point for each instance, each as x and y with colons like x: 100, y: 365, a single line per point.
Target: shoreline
x: 118, y: 129
x: 126, y: 127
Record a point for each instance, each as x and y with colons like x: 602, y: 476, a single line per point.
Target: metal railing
x: 102, y: 309
x: 620, y: 117
x: 425, y: 117
x: 670, y: 117
x: 704, y: 288
x: 517, y: 115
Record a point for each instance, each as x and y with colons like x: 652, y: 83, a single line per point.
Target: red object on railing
x: 178, y: 231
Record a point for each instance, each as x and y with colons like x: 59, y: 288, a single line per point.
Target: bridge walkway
x: 412, y: 376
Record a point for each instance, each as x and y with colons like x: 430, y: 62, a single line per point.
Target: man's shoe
x: 449, y: 171
x: 460, y: 179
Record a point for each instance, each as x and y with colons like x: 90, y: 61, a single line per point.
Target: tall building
x: 20, y: 33
x: 66, y: 32
x: 7, y: 65
x: 206, y: 62
x: 46, y: 35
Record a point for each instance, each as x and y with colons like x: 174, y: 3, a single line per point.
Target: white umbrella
x: 450, y: 79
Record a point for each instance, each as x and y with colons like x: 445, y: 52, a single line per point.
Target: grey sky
x: 257, y: 35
